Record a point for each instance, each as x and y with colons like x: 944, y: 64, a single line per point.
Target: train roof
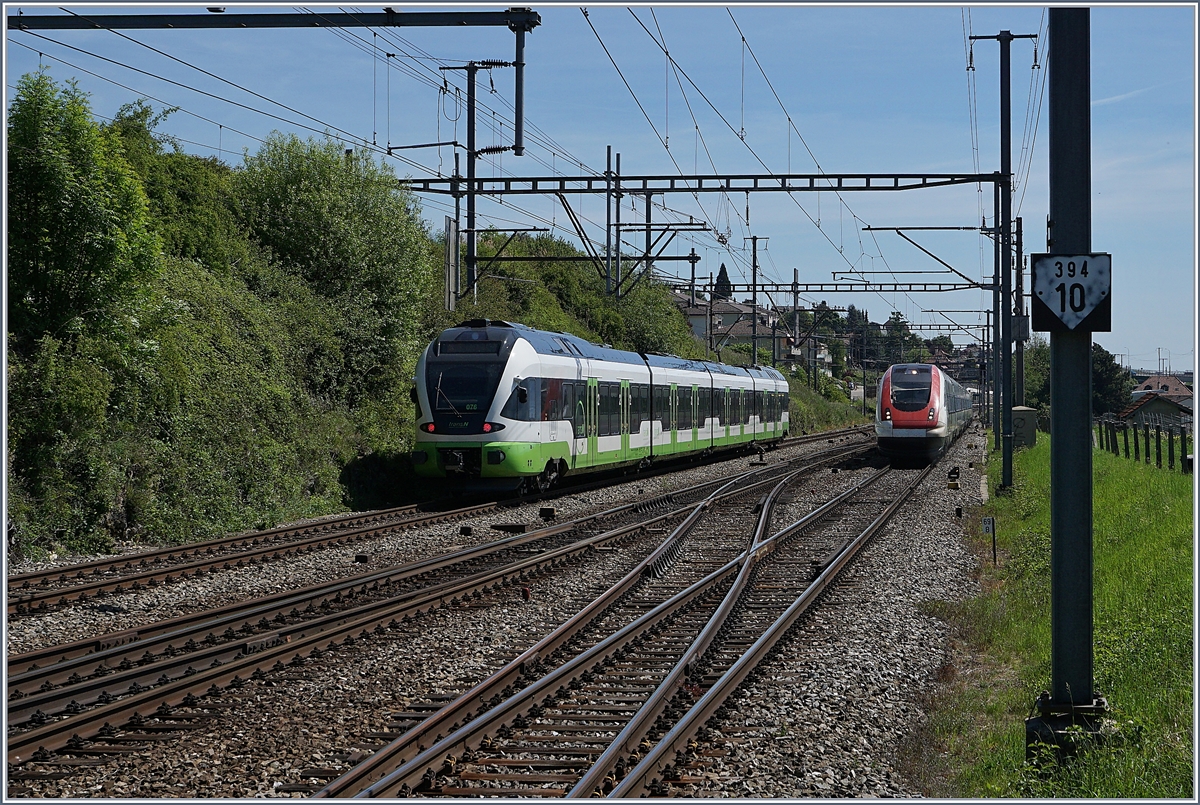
x: 548, y: 343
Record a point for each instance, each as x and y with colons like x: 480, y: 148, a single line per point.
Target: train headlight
x: 495, y: 457
x: 419, y: 457
x: 492, y: 427
x: 887, y: 414
x: 427, y: 427
x: 932, y: 414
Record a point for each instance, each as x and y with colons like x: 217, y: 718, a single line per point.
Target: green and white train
x: 507, y: 405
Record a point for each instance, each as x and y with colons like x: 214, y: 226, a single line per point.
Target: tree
x: 79, y: 244
x: 1111, y: 385
x: 340, y: 221
x: 942, y: 342
x: 1037, y: 374
x: 724, y: 288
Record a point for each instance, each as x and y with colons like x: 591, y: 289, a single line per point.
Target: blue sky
x: 868, y: 89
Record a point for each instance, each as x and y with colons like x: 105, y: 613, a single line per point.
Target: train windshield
x: 910, y: 387
x: 462, y: 387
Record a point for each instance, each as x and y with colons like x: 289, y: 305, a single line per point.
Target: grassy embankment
x: 1143, y: 649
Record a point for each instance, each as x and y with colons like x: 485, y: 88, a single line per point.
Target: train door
x: 695, y: 412
x: 673, y: 408
x: 551, y: 405
x: 625, y: 408
x: 593, y: 419
x: 740, y: 432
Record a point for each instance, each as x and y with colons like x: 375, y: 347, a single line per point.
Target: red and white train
x: 919, y: 411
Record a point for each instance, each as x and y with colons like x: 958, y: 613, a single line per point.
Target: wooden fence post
x: 1125, y: 434
x: 1170, y: 448
x: 1137, y: 449
x: 1158, y: 446
x: 1146, y: 433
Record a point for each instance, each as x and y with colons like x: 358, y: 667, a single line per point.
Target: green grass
x: 1143, y: 651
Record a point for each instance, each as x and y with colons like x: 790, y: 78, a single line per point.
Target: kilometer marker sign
x: 1072, y: 292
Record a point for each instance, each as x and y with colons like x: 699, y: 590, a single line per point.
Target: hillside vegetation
x: 195, y: 348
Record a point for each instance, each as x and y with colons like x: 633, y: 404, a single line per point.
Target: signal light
x: 427, y: 427
x: 491, y: 427
x: 887, y: 413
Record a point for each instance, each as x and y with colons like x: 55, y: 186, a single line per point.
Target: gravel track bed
x: 314, y: 716
x: 287, y: 724
x: 826, y: 717
x: 28, y: 632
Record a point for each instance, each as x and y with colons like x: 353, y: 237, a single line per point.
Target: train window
x: 610, y: 409
x: 567, y: 407
x: 551, y: 398
x: 579, y: 412
x: 462, y: 387
x: 469, y: 347
x: 760, y: 405
x: 530, y: 408
x: 639, y: 399
x: 747, y: 404
x: 705, y: 407
x: 662, y: 406
x: 683, y: 402
x: 911, y: 386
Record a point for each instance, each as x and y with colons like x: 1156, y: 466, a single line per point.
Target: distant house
x: 1167, y: 386
x: 721, y: 322
x: 1152, y: 408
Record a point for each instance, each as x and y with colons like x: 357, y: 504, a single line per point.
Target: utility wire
x: 735, y: 133
x: 213, y: 96
x: 670, y: 156
x: 221, y: 79
x: 165, y: 104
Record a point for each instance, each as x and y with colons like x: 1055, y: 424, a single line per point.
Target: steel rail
x: 404, y: 747
x: 24, y: 602
x: 23, y: 597
x: 223, y: 617
x: 393, y: 783
x: 639, y: 727
x: 636, y: 780
x: 115, y: 564
x: 268, y: 607
x: 170, y: 692
x: 459, y: 710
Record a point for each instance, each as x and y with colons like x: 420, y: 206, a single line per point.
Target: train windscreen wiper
x: 444, y: 397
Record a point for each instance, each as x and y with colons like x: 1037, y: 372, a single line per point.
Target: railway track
x: 584, y: 727
x: 98, y: 580
x: 152, y: 674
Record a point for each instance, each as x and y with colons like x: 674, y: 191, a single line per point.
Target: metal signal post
x: 1071, y: 702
